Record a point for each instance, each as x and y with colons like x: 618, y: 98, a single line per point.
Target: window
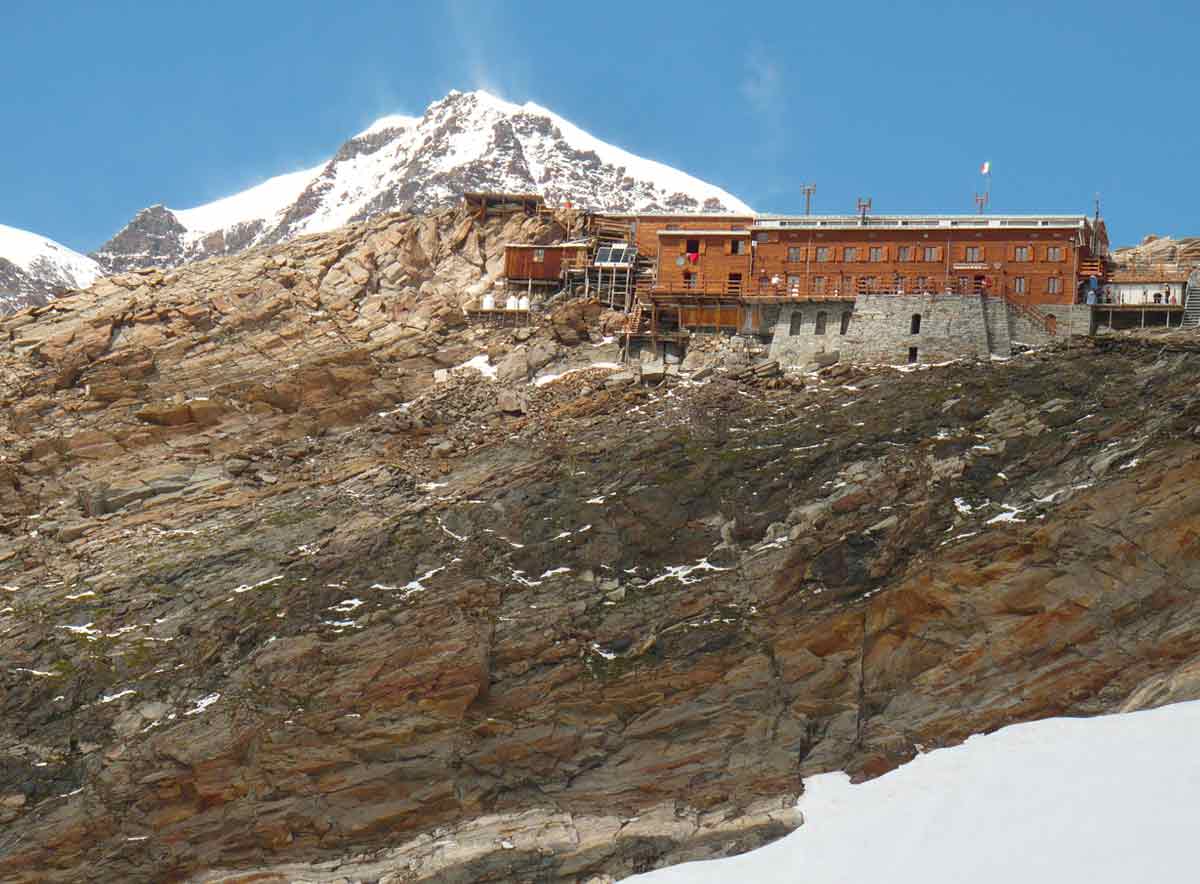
x: 914, y: 325
x: 818, y: 284
x: 876, y: 254
x: 819, y: 327
x: 933, y: 253
x: 539, y: 256
x: 1054, y: 253
x: 1022, y: 253
x: 737, y: 247
x: 867, y: 284
x: 850, y: 254
x: 796, y: 323
x: 901, y: 284
x: 735, y: 282
x: 1054, y: 285
x: 794, y: 283
x: 922, y: 284
x: 822, y: 253
x: 689, y: 279
x: 793, y: 254
x: 904, y: 253
x: 1019, y: 285
x: 912, y: 355
x: 845, y: 321
x: 693, y: 247
x: 974, y: 254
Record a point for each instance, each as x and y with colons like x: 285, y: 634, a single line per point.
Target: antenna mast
x: 808, y: 190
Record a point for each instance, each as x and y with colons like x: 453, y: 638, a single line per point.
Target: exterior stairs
x: 1191, y: 302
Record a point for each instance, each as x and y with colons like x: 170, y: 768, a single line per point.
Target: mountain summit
x: 33, y: 268
x: 466, y: 141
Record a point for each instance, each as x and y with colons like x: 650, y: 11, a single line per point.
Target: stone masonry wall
x: 952, y: 326
x: 880, y: 329
x: 803, y: 346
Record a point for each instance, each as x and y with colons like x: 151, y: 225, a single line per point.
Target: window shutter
x: 682, y: 246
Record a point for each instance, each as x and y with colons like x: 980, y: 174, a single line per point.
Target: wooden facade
x: 542, y: 264
x: 1028, y: 260
x: 646, y: 228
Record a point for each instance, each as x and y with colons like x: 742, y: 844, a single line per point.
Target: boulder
x: 514, y: 367
x: 510, y: 402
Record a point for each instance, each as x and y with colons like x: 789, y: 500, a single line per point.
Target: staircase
x: 1191, y: 302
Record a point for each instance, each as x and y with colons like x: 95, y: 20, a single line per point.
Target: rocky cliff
x: 464, y: 142
x: 288, y: 594
x: 1184, y: 251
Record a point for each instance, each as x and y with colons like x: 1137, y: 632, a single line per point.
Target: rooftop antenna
x: 808, y: 190
x: 864, y: 206
x: 982, y: 199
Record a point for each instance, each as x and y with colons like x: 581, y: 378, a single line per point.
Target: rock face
x: 276, y: 606
x: 1184, y: 251
x: 34, y: 269
x: 464, y: 142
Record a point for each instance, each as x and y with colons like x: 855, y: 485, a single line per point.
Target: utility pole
x: 808, y: 190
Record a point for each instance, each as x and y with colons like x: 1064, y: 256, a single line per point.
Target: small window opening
x: 819, y: 328
x: 737, y: 247
x: 912, y: 355
x: 845, y: 321
x: 539, y: 256
x: 693, y: 246
x: 796, y: 323
x: 914, y: 327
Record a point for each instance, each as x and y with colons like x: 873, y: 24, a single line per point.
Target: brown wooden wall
x: 788, y: 254
x: 519, y: 263
x: 716, y: 262
x: 646, y: 235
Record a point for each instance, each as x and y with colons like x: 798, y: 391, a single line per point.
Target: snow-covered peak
x: 30, y: 252
x: 34, y: 268
x: 466, y: 141
x: 261, y: 201
x: 387, y: 124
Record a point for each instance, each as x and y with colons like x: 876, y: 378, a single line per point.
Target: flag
x: 986, y: 168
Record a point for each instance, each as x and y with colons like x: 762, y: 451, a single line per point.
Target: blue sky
x: 110, y: 107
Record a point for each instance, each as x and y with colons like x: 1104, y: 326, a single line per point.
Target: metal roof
x: 573, y: 244
x: 691, y: 233
x: 917, y: 222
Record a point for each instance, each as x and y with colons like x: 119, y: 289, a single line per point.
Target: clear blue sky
x: 111, y: 106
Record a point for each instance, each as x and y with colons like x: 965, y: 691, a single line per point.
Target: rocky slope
x: 34, y: 269
x: 464, y: 142
x: 1184, y: 251
x: 284, y: 595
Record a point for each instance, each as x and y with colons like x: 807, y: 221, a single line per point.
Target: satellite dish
x: 679, y: 262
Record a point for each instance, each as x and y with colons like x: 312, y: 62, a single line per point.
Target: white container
x: 489, y: 301
x: 523, y: 304
x: 512, y: 303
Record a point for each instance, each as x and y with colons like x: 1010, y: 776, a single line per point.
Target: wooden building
x: 1026, y: 259
x: 485, y: 204
x: 642, y: 229
x: 1146, y: 285
x: 537, y: 264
